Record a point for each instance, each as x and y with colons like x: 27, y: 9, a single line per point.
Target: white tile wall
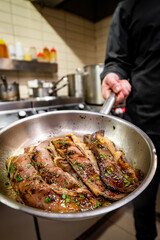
x: 78, y: 42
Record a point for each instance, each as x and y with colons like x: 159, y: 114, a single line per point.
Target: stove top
x: 12, y: 111
x: 34, y: 103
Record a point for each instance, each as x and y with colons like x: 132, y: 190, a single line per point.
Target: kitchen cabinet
x: 31, y: 66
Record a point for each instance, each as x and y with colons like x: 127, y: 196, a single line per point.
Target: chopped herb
x: 81, y: 196
x: 28, y: 166
x: 70, y: 152
x: 13, y: 169
x: 68, y: 199
x: 7, y: 183
x: 32, y: 163
x: 9, y: 167
x: 127, y: 184
x: 98, y: 178
x: 38, y: 164
x: 18, y: 178
x: 27, y: 177
x: 64, y: 196
x: 82, y: 117
x: 47, y: 200
x: 38, y: 179
x: 78, y: 203
x: 74, y: 163
x: 41, y: 205
x: 98, y: 204
x: 57, y: 175
x: 51, y: 181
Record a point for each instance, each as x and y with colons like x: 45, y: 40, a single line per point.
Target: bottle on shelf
x: 33, y: 53
x: 53, y: 55
x: 46, y: 55
x: 19, y: 51
x: 40, y: 57
x: 12, y: 51
x: 3, y: 49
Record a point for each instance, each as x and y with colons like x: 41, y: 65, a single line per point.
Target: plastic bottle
x: 40, y: 57
x: 53, y: 55
x: 33, y: 53
x: 3, y: 49
x: 19, y: 51
x: 46, y: 55
x: 12, y: 51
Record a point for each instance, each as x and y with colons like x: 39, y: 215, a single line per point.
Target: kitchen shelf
x: 31, y: 66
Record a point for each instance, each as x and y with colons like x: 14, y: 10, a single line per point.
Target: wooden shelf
x: 31, y: 66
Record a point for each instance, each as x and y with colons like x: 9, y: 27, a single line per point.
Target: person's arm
x: 117, y: 63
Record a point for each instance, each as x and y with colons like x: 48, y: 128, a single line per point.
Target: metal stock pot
x: 8, y: 91
x: 137, y: 146
x: 92, y: 83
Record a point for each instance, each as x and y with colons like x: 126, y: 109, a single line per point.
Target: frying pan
x: 137, y: 146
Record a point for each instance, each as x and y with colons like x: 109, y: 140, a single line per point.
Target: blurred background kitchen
x: 77, y: 40
x: 46, y: 48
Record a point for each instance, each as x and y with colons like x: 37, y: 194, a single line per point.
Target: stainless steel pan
x: 136, y: 144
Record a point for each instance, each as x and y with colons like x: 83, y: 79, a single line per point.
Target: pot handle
x: 79, y: 70
x: 108, y: 104
x: 4, y: 80
x: 58, y: 81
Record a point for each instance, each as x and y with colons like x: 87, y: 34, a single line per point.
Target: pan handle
x: 108, y: 104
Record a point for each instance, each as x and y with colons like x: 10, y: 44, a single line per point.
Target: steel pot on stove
x: 8, y: 91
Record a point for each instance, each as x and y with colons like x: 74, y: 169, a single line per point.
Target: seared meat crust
x: 117, y: 174
x: 35, y: 192
x: 67, y: 175
x: 44, y: 162
x: 84, y: 168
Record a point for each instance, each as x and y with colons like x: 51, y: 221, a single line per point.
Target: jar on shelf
x: 27, y: 55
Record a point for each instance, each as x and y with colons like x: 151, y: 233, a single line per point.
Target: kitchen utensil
x: 137, y: 146
x: 92, y: 83
x: 8, y: 91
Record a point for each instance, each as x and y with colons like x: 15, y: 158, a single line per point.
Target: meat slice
x: 84, y: 168
x: 43, y: 160
x: 115, y: 172
x: 35, y: 192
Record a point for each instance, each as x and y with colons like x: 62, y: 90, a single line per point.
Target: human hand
x: 112, y: 83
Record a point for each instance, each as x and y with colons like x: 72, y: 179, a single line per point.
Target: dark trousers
x: 145, y: 204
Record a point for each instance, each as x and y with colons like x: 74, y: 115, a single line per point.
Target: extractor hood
x: 93, y: 10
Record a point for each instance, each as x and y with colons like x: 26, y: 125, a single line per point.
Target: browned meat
x: 117, y: 174
x: 67, y: 175
x: 35, y: 192
x: 43, y: 160
x: 84, y: 168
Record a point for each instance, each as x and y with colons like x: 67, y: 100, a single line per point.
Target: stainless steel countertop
x: 38, y: 103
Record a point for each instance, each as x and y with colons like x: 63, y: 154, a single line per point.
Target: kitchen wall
x: 78, y: 42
